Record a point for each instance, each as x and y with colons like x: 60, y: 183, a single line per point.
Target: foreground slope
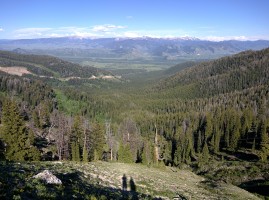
x: 104, y: 180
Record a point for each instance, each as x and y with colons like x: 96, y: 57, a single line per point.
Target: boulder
x: 48, y: 177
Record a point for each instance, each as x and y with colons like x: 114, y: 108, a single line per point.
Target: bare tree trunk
x: 49, y: 132
x: 59, y: 153
x: 156, y: 147
x: 85, y: 138
x: 109, y: 138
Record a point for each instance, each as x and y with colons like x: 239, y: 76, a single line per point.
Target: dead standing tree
x: 109, y: 138
x: 131, y: 136
x: 156, y: 146
x: 86, y: 134
x: 59, y: 132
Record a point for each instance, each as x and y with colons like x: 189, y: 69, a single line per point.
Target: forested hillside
x: 48, y: 66
x: 239, y: 72
x: 217, y: 105
x: 213, y: 111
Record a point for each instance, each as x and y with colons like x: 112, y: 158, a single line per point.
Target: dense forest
x: 211, y: 110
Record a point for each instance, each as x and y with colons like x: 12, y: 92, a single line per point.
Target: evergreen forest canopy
x: 214, y: 109
x: 211, y: 110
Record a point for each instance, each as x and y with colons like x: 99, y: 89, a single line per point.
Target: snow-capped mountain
x: 132, y: 48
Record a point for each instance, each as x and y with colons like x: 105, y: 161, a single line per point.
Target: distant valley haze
x: 144, y: 49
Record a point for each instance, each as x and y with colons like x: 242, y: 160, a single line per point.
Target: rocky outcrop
x: 48, y: 177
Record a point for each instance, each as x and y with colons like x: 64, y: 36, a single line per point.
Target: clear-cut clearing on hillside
x: 19, y: 71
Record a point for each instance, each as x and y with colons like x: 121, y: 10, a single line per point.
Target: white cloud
x: 223, y: 38
x: 1, y: 29
x: 131, y: 34
x: 53, y: 32
x: 107, y: 28
x: 31, y: 32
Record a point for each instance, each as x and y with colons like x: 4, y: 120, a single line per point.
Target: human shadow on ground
x: 16, y: 181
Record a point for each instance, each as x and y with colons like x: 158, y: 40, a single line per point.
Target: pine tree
x: 124, y: 153
x: 76, y: 132
x: 252, y: 134
x: 177, y: 156
x: 235, y: 133
x: 217, y: 140
x: 209, y: 126
x: 199, y: 142
x: 36, y: 119
x: 264, y: 144
x: 189, y: 150
x: 147, y: 154
x: 85, y: 155
x: 13, y: 126
x: 97, y: 142
x: 205, y: 153
x: 168, y: 152
x: 234, y: 139
x: 73, y: 151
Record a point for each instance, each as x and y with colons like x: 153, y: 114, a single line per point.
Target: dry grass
x: 96, y: 179
x: 163, y: 182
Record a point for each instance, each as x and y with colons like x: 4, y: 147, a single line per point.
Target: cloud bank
x: 95, y: 31
x: 110, y: 30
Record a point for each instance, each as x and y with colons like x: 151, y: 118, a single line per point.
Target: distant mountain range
x: 146, y: 48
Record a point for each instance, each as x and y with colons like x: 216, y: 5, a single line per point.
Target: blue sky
x: 205, y: 19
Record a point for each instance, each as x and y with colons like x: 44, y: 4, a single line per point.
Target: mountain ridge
x: 133, y: 48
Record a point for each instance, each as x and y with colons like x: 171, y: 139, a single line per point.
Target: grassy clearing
x: 68, y: 106
x: 118, y: 64
x: 104, y: 180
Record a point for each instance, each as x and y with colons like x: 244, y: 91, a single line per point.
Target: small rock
x: 47, y: 176
x: 58, y: 162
